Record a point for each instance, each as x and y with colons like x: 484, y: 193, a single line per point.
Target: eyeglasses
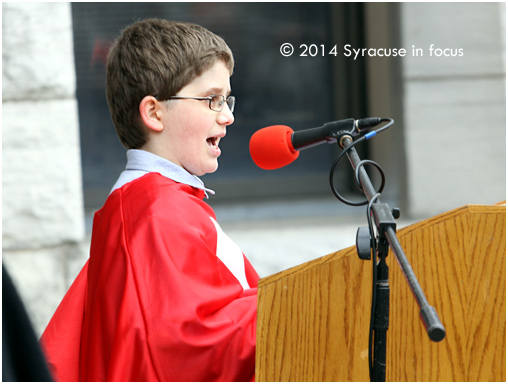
x: 215, y: 102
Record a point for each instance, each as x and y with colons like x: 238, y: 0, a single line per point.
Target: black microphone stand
x: 384, y: 219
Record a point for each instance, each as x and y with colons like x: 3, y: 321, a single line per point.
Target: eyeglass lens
x: 217, y: 103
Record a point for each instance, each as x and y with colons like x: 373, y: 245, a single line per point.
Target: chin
x: 209, y: 169
x: 214, y: 169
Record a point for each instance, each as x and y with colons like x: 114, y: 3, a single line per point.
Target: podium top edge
x: 478, y: 208
x: 473, y: 209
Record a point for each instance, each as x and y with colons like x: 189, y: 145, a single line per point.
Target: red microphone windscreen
x: 271, y: 147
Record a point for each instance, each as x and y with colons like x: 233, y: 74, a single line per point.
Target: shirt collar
x: 140, y: 160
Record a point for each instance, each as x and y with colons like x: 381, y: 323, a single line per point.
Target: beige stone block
x: 37, y: 51
x: 473, y: 27
x: 42, y: 199
x: 456, y: 144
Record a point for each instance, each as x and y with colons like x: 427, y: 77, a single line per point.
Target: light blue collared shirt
x: 140, y: 162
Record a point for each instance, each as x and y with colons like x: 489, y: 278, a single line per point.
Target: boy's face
x: 192, y: 129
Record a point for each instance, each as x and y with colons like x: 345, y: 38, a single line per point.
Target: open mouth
x: 213, y: 141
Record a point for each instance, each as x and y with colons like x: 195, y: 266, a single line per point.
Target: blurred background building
x: 61, y: 155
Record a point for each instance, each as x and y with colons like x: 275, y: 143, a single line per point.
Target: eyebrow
x: 216, y: 91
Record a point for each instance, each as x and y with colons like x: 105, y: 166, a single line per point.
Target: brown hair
x: 156, y: 57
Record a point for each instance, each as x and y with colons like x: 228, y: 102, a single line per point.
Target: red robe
x: 155, y: 302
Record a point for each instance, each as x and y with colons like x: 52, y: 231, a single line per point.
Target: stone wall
x: 42, y: 204
x: 455, y: 106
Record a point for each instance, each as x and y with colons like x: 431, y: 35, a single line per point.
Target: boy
x: 165, y: 295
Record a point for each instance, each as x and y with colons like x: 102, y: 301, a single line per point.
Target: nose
x: 225, y: 117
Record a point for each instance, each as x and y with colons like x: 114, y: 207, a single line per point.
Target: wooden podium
x: 313, y: 319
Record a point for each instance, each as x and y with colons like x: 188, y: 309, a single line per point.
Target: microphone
x: 278, y: 145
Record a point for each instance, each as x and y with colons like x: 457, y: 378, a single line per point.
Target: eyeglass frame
x: 210, y: 99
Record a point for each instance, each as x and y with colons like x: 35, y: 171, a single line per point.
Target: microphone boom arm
x: 386, y: 229
x: 429, y: 317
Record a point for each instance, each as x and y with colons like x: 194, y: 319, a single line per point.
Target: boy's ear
x: 151, y: 113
